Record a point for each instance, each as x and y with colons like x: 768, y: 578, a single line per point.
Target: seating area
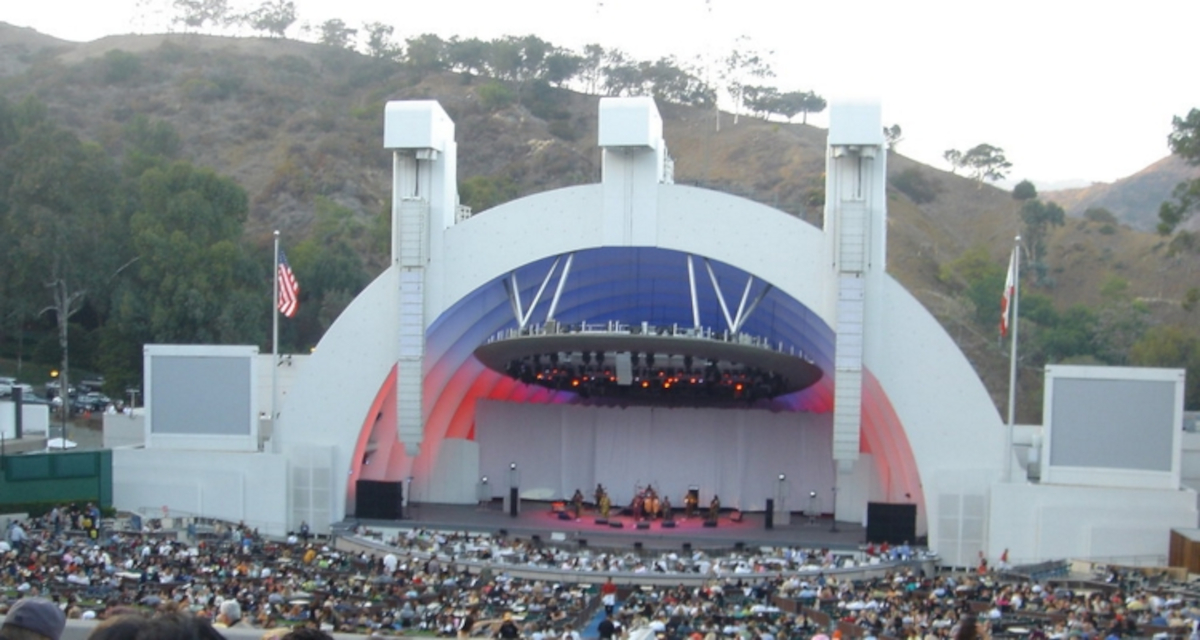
x: 422, y: 582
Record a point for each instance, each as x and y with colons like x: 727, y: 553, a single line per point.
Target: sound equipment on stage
x: 643, y: 525
x: 563, y: 515
x: 375, y: 500
x: 736, y: 516
x: 687, y: 547
x: 891, y: 523
x: 770, y: 516
x: 710, y: 523
x: 616, y: 524
x: 638, y: 546
x: 668, y: 524
x: 601, y: 520
x: 739, y: 546
x: 514, y: 502
x: 582, y: 542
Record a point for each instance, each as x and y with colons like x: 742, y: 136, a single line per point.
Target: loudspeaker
x: 601, y: 521
x: 563, y: 515
x: 770, y: 517
x: 668, y: 524
x: 710, y: 523
x: 736, y: 516
x: 375, y: 500
x: 891, y: 523
x: 643, y: 525
x: 616, y: 524
x: 513, y: 502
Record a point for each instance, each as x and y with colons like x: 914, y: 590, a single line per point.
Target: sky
x: 1070, y: 90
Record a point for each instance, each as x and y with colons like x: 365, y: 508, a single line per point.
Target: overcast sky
x: 1070, y: 90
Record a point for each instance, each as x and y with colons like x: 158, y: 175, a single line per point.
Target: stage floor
x: 537, y: 518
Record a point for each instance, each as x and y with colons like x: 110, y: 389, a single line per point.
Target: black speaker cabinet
x: 377, y: 500
x: 769, y: 520
x: 891, y: 523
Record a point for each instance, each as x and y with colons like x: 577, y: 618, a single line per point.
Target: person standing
x: 607, y: 628
x: 608, y: 595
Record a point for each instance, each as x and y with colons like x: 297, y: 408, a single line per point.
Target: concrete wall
x: 35, y: 418
x: 122, y: 430
x: 1041, y: 522
x: 234, y: 486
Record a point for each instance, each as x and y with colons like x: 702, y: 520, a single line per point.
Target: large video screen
x: 201, y: 395
x: 1119, y: 424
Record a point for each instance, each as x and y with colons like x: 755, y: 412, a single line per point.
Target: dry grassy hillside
x: 1134, y: 199
x: 293, y: 122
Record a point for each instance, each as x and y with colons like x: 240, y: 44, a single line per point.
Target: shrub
x: 912, y: 183
x: 1100, y: 214
x: 494, y: 96
x: 120, y: 66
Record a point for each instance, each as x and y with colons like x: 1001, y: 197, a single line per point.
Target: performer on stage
x: 690, y: 503
x: 665, y: 505
x: 577, y: 503
x: 599, y: 493
x: 714, y: 508
x: 605, y: 505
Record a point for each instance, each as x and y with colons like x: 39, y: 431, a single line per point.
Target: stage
x: 539, y: 519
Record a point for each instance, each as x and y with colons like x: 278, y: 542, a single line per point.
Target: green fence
x: 34, y: 482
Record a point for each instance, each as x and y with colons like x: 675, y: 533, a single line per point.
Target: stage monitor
x: 1113, y: 426
x: 376, y: 500
x: 891, y: 523
x: 201, y: 397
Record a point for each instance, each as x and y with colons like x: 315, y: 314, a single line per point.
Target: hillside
x: 296, y: 122
x: 1134, y: 199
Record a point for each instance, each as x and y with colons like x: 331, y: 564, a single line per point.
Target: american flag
x: 289, y: 291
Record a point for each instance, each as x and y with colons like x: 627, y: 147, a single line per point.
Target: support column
x: 424, y: 204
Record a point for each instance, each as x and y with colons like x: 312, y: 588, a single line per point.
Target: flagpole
x: 1012, y: 363
x: 275, y: 337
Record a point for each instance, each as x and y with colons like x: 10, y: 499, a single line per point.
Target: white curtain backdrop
x: 736, y: 454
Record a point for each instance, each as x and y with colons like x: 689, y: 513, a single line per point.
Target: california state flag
x: 1009, y: 282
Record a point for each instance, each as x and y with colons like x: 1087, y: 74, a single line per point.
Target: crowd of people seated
x: 418, y: 583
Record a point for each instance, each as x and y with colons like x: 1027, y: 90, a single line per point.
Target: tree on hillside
x: 426, y: 53
x: 810, y: 102
x: 466, y: 56
x: 273, y: 17
x: 742, y: 65
x: 591, y: 68
x: 893, y: 135
x: 762, y: 101
x: 1184, y: 142
x: 334, y: 33
x: 1025, y: 190
x: 985, y: 162
x: 379, y: 41
x: 195, y: 14
x: 1037, y: 218
x: 954, y: 158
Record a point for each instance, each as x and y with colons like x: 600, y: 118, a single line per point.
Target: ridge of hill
x: 1133, y: 199
x: 295, y: 122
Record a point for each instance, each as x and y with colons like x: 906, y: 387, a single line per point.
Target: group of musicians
x: 646, y: 504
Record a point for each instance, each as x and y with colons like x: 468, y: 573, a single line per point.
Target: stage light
x: 645, y: 384
x: 483, y: 480
x: 782, y: 477
x: 513, y: 466
x: 812, y: 494
x: 575, y: 382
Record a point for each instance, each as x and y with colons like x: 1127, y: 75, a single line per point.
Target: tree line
x: 105, y: 249
x: 738, y: 74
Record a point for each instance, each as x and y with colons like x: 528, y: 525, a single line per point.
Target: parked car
x: 6, y: 386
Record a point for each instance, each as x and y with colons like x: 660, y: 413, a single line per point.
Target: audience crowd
x: 456, y: 584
